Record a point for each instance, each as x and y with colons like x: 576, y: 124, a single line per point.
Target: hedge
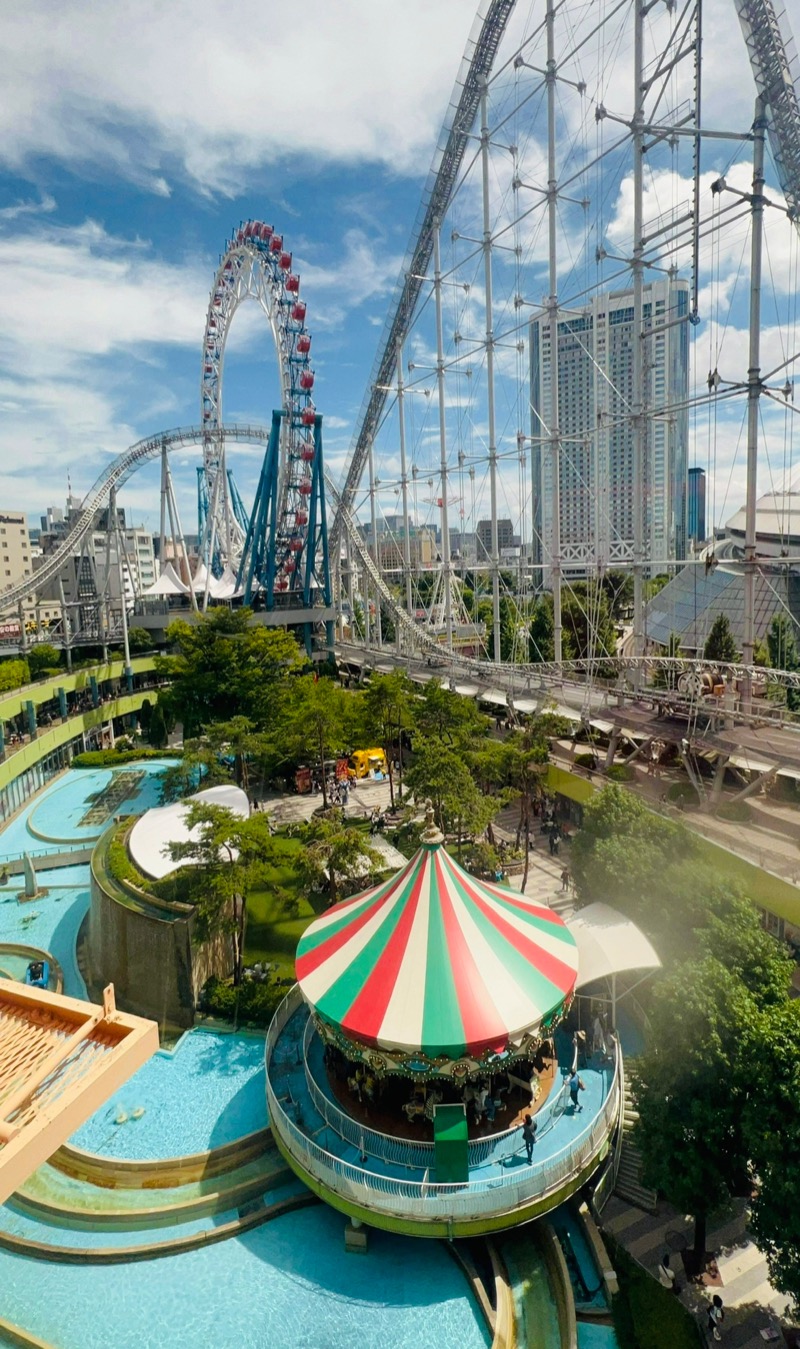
x: 112, y: 758
x: 252, y: 1002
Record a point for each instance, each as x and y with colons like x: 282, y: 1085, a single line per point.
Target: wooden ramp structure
x: 60, y: 1059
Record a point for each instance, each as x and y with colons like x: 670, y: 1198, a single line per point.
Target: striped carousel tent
x: 435, y: 962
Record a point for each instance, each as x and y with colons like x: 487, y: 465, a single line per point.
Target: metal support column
x: 637, y: 268
x: 753, y: 385
x: 487, y: 281
x: 437, y: 290
x: 401, y: 425
x: 554, y: 436
x: 373, y: 517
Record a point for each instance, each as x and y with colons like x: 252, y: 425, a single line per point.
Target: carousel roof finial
x: 431, y: 836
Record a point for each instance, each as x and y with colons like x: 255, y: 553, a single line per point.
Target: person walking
x: 575, y: 1086
x: 716, y: 1315
x: 666, y: 1275
x: 529, y: 1136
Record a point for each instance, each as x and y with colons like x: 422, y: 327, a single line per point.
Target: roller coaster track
x: 769, y: 43
x: 487, y: 31
x: 541, y: 672
x: 114, y: 476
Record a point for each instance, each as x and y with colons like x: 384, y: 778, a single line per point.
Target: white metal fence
x: 423, y: 1199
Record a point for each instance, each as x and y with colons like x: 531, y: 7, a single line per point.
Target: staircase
x: 629, y: 1177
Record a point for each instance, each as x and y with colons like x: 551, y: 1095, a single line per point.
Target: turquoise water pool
x: 55, y: 813
x: 210, y: 1091
x: 596, y: 1337
x: 288, y: 1283
x: 50, y: 922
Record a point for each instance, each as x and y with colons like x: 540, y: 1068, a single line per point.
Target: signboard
x: 342, y: 770
x: 302, y: 780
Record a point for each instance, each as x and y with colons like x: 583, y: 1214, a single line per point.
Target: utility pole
x: 373, y: 514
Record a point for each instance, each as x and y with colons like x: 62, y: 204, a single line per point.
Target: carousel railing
x: 417, y: 1154
x: 425, y: 1199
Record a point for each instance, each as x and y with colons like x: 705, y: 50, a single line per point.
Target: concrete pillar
x: 62, y: 704
x: 355, y: 1237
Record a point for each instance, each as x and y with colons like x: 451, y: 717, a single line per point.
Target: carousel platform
x: 353, y: 1159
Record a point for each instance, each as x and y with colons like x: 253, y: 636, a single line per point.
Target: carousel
x: 438, y: 980
x: 425, y: 1024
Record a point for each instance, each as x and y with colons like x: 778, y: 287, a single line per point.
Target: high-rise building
x: 505, y: 537
x: 696, y: 527
x: 16, y: 563
x: 595, y: 398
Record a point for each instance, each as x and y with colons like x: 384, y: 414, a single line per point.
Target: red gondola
x: 292, y: 284
x: 281, y: 583
x: 298, y: 311
x: 307, y: 454
x: 289, y: 566
x: 266, y: 231
x: 303, y: 343
x: 276, y: 243
x: 301, y: 518
x: 308, y: 416
x: 286, y: 262
x: 305, y: 488
x: 307, y: 380
x: 295, y: 545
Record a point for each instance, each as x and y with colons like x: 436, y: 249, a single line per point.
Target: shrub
x: 682, y: 793
x: 586, y: 761
x: 737, y: 812
x: 120, y: 867
x: 256, y: 1001
x: 112, y: 758
x: 621, y: 772
x: 13, y: 674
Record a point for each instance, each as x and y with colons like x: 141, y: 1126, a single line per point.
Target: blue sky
x: 132, y: 139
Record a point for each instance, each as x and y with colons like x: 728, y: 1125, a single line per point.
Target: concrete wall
x: 149, y: 956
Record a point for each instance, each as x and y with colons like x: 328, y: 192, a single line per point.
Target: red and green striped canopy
x: 437, y: 962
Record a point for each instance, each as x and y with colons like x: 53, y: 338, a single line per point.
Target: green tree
x: 439, y: 772
x: 541, y: 630
x: 772, y: 1128
x: 720, y: 644
x: 783, y: 654
x: 139, y: 639
x: 44, y: 656
x: 320, y: 721
x: 337, y: 856
x: 448, y: 716
x: 229, y: 852
x: 387, y: 707
x: 200, y: 765
x: 13, y: 674
x: 221, y: 667
x: 691, y: 1090
x: 157, y: 733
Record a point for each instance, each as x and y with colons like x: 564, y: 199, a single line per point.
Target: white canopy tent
x: 168, y: 583
x: 609, y: 944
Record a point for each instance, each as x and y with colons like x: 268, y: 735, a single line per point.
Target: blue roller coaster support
x: 238, y: 505
x: 260, y: 563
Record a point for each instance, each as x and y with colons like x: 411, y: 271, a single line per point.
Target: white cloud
x: 210, y: 91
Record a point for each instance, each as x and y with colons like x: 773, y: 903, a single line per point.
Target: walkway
x: 751, y: 1303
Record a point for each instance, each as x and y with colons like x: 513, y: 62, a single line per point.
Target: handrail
x: 415, y: 1153
x: 426, y: 1199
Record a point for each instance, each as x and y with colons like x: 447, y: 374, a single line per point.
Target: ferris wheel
x: 256, y: 265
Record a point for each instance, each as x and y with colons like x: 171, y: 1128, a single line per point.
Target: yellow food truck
x: 368, y: 763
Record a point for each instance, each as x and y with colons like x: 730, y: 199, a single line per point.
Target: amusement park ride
x: 299, y: 555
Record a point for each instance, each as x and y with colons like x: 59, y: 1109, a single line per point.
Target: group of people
x: 716, y: 1311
